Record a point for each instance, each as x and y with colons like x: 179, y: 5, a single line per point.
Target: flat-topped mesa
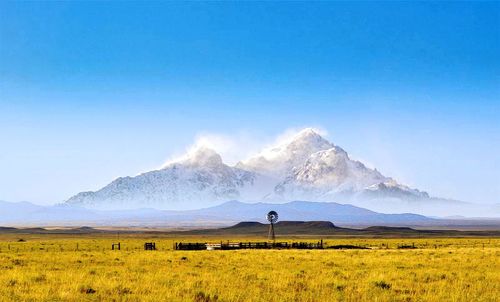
x: 286, y: 224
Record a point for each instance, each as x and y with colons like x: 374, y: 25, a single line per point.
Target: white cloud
x: 286, y: 137
x: 239, y: 146
x: 232, y: 148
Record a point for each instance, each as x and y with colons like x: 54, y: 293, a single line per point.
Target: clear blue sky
x: 91, y: 91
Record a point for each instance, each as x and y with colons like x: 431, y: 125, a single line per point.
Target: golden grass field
x: 51, y: 268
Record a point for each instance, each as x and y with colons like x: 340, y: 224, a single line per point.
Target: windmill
x: 272, y: 217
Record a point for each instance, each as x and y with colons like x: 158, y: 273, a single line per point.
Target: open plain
x: 66, y: 266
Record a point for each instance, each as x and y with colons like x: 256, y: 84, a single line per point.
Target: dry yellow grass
x: 49, y: 268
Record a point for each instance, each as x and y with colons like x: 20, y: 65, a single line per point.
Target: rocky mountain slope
x: 307, y: 167
x: 199, y: 179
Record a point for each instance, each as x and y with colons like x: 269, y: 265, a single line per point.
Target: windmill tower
x: 272, y: 217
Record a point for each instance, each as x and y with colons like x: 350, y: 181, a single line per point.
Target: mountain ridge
x: 225, y: 214
x: 307, y: 167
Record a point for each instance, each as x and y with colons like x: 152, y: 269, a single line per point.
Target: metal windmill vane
x: 272, y: 217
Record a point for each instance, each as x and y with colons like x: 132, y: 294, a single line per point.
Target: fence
x: 192, y: 246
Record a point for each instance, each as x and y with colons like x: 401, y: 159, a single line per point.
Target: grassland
x: 83, y: 268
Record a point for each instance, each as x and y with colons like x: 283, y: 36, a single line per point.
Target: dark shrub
x: 382, y: 285
x: 202, y: 297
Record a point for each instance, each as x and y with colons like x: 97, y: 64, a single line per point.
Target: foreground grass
x: 51, y: 268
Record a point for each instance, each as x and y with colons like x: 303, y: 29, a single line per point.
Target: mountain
x: 199, y: 179
x: 279, y: 161
x: 308, y: 211
x: 330, y: 173
x: 306, y: 167
x: 26, y: 212
x: 226, y: 214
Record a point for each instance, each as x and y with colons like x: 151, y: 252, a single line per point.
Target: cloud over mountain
x: 304, y: 166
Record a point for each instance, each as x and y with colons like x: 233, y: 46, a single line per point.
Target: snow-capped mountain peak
x: 306, y: 167
x: 308, y: 136
x: 329, y: 171
x: 198, y: 179
x: 278, y: 161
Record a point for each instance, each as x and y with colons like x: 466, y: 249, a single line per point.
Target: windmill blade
x: 272, y: 216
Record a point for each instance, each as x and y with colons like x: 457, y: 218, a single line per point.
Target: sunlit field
x: 63, y: 268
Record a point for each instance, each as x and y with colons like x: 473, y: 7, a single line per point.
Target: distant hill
x: 25, y: 214
x: 309, y: 211
x: 225, y: 214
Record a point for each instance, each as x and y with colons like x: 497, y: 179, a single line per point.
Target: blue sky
x: 90, y: 91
